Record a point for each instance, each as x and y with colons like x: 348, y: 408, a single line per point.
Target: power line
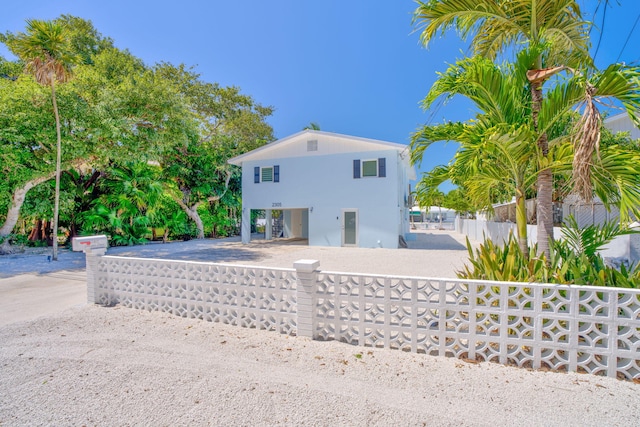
x: 604, y: 14
x: 628, y: 37
x: 594, y: 17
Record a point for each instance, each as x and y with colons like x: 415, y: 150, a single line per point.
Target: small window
x: 267, y: 174
x: 312, y: 145
x: 369, y: 168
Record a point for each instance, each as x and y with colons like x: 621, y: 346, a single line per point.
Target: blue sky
x: 353, y: 66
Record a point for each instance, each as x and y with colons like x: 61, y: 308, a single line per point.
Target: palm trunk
x: 56, y: 205
x: 545, y: 180
x: 521, y: 223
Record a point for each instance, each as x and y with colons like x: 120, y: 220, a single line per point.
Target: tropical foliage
x: 523, y: 136
x: 143, y: 149
x: 574, y: 260
x: 551, y: 42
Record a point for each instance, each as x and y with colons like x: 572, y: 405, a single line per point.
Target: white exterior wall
x: 622, y: 123
x: 324, y: 184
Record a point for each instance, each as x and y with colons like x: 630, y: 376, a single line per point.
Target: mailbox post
x: 94, y: 247
x: 91, y: 244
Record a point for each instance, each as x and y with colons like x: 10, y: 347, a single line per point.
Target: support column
x: 268, y: 231
x: 307, y: 279
x: 92, y: 260
x: 245, y: 230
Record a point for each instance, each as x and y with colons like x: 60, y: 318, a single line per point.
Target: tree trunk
x: 36, y: 233
x: 17, y: 200
x: 521, y: 223
x: 56, y: 206
x: 192, y: 212
x: 545, y: 180
x: 199, y: 225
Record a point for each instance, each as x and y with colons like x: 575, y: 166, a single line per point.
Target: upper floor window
x: 370, y: 168
x: 266, y: 174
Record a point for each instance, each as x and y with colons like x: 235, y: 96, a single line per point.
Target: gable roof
x: 335, y: 141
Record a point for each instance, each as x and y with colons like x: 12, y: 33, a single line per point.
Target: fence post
x: 92, y: 260
x: 307, y: 278
x: 94, y: 247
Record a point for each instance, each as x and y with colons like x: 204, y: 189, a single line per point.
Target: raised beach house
x: 332, y: 189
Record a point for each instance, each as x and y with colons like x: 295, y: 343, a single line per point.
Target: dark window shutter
x: 256, y: 174
x: 356, y: 168
x: 276, y: 173
x: 382, y: 167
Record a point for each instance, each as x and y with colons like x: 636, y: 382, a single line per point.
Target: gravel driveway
x: 66, y: 363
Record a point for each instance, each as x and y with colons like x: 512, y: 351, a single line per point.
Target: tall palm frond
x: 499, y: 25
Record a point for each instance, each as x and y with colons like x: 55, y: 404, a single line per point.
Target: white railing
x: 569, y: 328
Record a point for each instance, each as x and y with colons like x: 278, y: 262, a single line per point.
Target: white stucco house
x: 622, y: 123
x: 332, y: 189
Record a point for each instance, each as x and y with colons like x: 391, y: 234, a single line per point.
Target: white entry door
x: 349, y: 227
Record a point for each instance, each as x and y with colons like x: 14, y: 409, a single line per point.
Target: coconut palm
x: 45, y: 50
x: 553, y: 30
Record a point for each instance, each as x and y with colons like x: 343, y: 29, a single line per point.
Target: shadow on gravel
x: 435, y: 242
x: 223, y: 254
x: 208, y: 250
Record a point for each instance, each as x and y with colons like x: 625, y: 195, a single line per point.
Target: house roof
x: 336, y: 142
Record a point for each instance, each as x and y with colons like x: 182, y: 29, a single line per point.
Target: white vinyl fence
x: 567, y: 328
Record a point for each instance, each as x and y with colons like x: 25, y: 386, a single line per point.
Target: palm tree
x: 45, y: 50
x: 553, y: 32
x: 498, y: 158
x: 312, y: 126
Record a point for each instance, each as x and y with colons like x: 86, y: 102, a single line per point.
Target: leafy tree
x: 229, y: 124
x: 458, y: 200
x: 116, y: 109
x: 46, y: 52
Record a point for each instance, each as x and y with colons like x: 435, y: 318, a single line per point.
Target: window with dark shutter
x: 382, y: 167
x: 356, y: 168
x: 369, y: 168
x: 256, y: 174
x: 276, y: 173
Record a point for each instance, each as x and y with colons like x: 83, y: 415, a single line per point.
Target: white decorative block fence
x: 573, y: 328
x: 253, y: 297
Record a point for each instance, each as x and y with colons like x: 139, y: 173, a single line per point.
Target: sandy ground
x: 63, y: 362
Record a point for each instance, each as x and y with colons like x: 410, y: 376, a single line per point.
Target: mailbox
x: 82, y: 244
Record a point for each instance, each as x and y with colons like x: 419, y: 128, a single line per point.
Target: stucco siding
x: 325, y: 185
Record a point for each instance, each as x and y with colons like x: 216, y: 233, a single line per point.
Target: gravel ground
x: 114, y: 366
x: 433, y: 253
x: 91, y: 365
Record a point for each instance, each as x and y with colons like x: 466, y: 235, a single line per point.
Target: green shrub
x: 574, y: 260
